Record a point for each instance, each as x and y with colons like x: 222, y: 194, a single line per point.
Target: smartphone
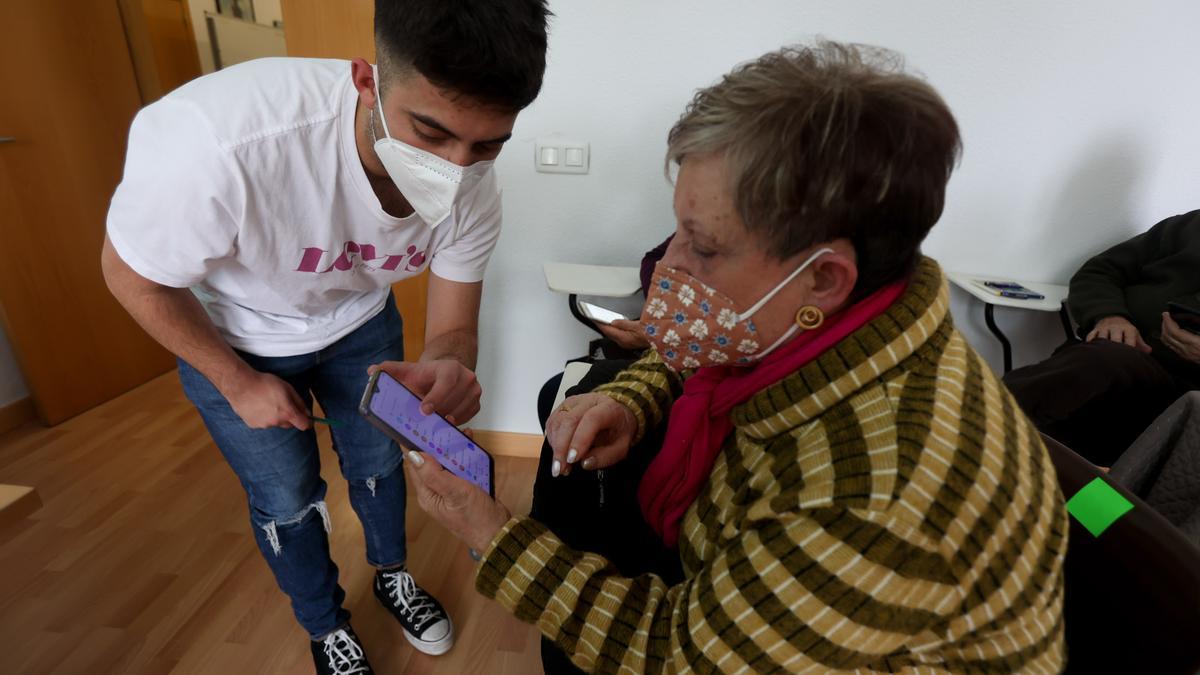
x: 1022, y: 295
x: 1011, y: 289
x: 393, y: 409
x: 599, y: 314
x: 1005, y: 285
x: 1187, y: 317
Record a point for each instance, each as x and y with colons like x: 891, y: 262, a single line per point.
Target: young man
x: 265, y: 212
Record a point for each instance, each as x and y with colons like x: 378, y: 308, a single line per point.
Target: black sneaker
x: 426, y: 625
x: 340, y: 653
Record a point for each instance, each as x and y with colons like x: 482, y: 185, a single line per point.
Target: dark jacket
x: 1135, y: 279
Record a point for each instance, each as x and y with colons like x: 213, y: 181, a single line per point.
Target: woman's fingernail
x: 416, y: 458
x: 589, y: 463
x: 555, y: 468
x: 572, y: 456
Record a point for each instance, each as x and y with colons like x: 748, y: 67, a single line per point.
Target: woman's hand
x: 461, y: 507
x: 1118, y: 329
x: 1183, y: 342
x: 592, y: 429
x: 627, y: 334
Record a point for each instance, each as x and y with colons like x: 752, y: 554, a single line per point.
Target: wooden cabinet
x: 67, y: 96
x: 162, y: 44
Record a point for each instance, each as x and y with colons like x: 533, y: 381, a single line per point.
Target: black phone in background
x: 1011, y: 289
x: 393, y: 409
x: 1006, y: 286
x: 1186, y: 316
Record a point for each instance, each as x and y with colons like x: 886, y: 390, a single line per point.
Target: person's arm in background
x: 1097, y: 291
x: 177, y: 321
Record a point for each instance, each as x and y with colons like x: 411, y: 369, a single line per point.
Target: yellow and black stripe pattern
x: 887, y: 508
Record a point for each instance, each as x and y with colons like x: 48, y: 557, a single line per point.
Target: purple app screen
x: 401, y: 410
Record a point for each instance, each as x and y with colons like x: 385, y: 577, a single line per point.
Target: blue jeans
x: 281, y: 472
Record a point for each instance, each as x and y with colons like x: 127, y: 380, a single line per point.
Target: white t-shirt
x: 246, y: 186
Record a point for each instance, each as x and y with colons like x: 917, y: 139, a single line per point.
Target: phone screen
x: 395, y: 406
x: 598, y: 313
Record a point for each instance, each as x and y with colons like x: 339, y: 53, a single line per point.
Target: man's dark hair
x: 492, y: 51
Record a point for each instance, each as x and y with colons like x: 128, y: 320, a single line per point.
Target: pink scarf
x: 700, y: 418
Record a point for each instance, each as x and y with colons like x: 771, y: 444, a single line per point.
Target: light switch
x: 558, y: 155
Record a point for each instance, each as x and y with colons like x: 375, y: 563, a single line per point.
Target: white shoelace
x: 344, y: 654
x: 416, y: 603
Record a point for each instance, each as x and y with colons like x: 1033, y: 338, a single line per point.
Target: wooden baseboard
x: 16, y: 413
x: 510, y: 444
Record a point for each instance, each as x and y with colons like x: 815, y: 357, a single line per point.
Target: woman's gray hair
x: 825, y: 142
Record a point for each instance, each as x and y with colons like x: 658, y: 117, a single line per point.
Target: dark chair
x: 1133, y: 593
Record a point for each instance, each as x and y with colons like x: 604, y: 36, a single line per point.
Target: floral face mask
x: 692, y: 325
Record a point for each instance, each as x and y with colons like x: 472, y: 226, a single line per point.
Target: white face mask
x: 429, y: 183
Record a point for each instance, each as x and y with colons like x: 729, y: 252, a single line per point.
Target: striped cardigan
x: 887, y: 507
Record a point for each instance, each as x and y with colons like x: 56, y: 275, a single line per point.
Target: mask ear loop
x: 767, y: 298
x: 379, y: 103
x: 797, y: 324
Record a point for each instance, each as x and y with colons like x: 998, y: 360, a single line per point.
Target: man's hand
x: 462, y: 508
x: 1184, y: 343
x: 592, y: 429
x: 263, y: 400
x: 445, y: 386
x: 627, y: 334
x: 1118, y: 329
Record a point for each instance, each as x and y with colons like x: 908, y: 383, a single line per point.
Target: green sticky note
x: 1097, y: 506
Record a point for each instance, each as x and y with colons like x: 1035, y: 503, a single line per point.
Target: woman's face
x: 711, y: 243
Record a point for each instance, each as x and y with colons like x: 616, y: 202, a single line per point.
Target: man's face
x: 453, y: 127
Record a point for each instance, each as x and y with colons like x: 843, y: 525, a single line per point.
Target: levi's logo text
x: 353, y: 254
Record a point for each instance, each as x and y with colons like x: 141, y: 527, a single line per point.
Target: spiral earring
x: 810, y: 317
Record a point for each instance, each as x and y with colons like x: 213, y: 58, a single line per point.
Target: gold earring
x: 810, y: 317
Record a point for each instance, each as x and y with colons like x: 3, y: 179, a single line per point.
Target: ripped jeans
x: 281, y: 472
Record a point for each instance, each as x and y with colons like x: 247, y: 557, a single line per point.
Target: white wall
x: 12, y: 385
x: 1079, y: 121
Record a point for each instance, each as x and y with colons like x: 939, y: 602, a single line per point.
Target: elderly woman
x: 844, y: 482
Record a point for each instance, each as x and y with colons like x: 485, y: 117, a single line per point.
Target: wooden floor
x: 141, y: 559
